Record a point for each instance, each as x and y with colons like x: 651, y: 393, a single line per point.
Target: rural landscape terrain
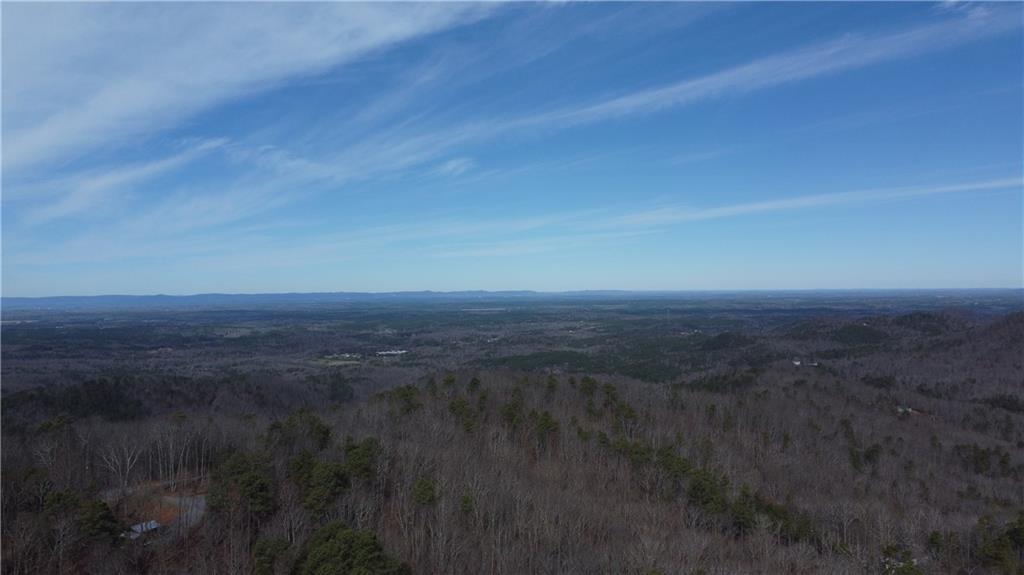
x: 515, y: 432
x: 511, y: 288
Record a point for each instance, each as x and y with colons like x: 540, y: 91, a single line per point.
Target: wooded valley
x: 609, y: 436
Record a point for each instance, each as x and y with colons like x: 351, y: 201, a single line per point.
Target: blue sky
x: 186, y: 148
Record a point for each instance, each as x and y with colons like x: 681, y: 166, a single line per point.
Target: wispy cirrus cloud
x: 100, y: 74
x: 573, y: 230
x: 848, y: 52
x: 674, y: 215
x: 57, y: 122
x: 454, y: 167
x: 407, y: 144
x: 450, y: 237
x: 526, y: 246
x: 77, y: 92
x: 81, y: 192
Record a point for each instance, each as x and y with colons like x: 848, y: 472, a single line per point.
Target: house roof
x: 150, y: 525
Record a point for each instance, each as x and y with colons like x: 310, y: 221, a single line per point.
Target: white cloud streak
x: 88, y: 190
x: 409, y: 144
x: 58, y: 108
x: 678, y: 214
x: 451, y: 237
x: 52, y: 112
x: 84, y: 77
x: 518, y: 247
x: 846, y: 53
x: 455, y: 167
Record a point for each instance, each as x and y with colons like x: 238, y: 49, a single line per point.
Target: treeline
x: 746, y: 471
x: 132, y: 398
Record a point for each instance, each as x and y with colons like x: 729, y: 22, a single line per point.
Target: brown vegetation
x: 884, y: 460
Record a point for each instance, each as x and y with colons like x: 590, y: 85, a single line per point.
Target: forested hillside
x: 852, y: 462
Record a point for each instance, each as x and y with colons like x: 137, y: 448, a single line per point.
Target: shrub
x: 404, y: 399
x: 793, y: 525
x: 336, y: 549
x: 1002, y: 548
x: 897, y: 560
x: 512, y: 410
x: 361, y: 457
x: 744, y: 511
x: 676, y: 466
x: 265, y: 553
x: 93, y: 518
x: 300, y: 428
x: 637, y: 452
x: 551, y: 386
x: 463, y: 412
x: 611, y: 394
x: 243, y: 482
x: 991, y: 461
x: 424, y: 491
x: 706, y: 490
x: 319, y: 482
x: 544, y: 425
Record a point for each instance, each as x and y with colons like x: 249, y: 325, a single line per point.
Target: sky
x: 254, y: 148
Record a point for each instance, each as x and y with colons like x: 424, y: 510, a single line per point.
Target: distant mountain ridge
x: 208, y: 300
x: 226, y: 299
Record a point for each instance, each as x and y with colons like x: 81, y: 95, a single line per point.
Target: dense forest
x: 882, y: 448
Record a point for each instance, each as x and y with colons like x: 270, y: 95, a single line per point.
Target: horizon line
x: 519, y: 291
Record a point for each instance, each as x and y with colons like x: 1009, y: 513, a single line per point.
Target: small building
x: 140, y: 529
